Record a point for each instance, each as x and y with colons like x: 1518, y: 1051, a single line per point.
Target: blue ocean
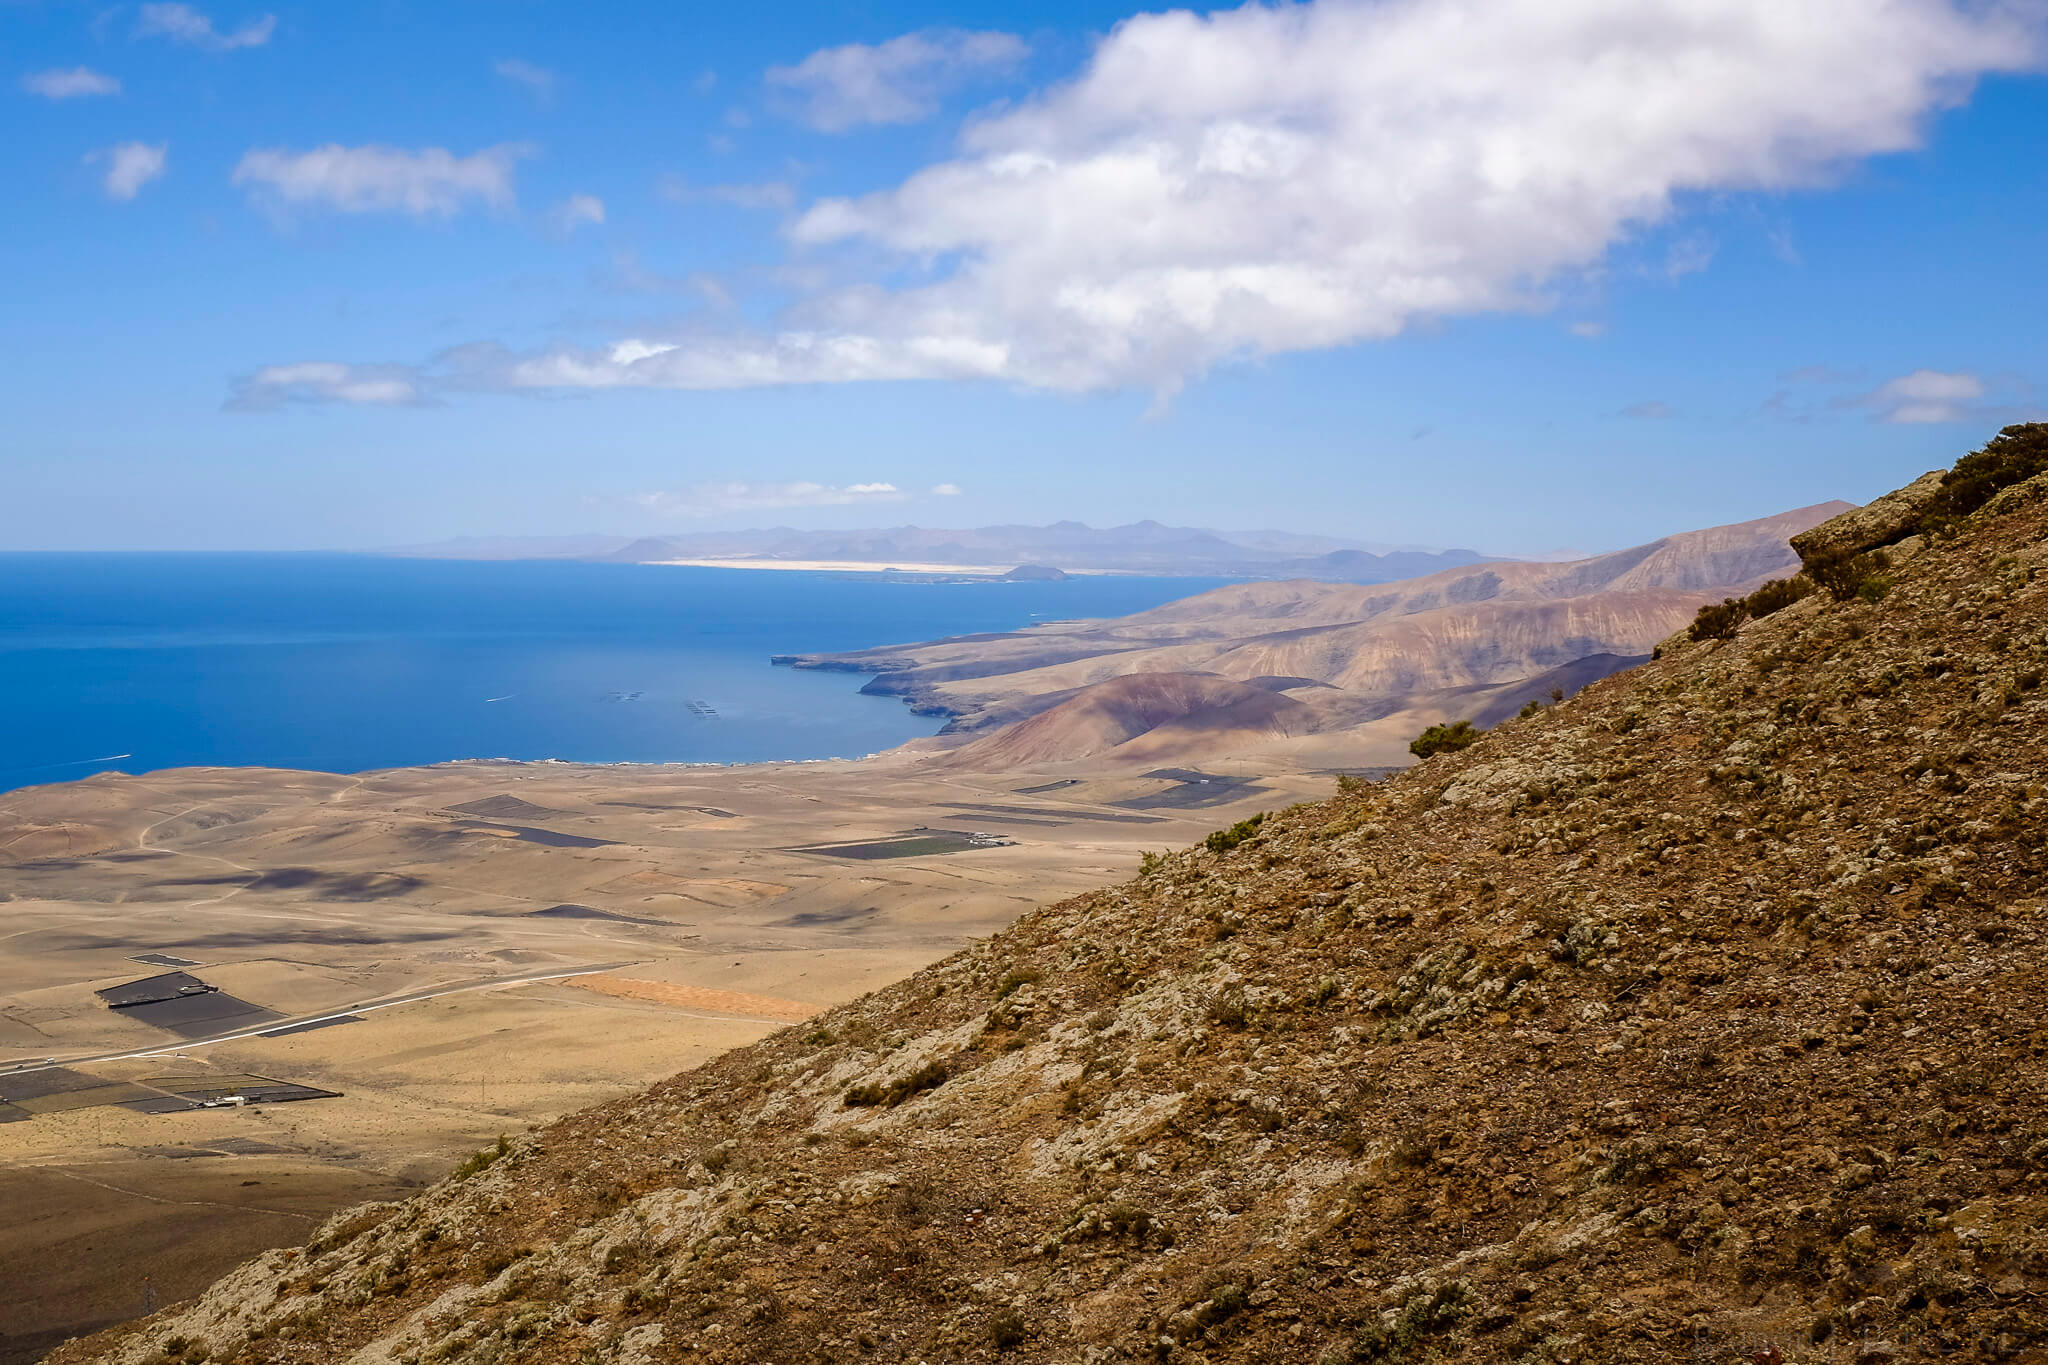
x: 344, y: 663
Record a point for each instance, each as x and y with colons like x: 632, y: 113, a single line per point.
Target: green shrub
x: 1016, y: 979
x: 1444, y: 739
x: 1843, y: 575
x: 1006, y: 1330
x: 1424, y: 1315
x: 1718, y: 620
x: 1778, y: 594
x: 930, y: 1076
x: 484, y: 1159
x: 1224, y: 840
x: 2014, y: 455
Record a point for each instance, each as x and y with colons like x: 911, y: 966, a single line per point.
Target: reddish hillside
x: 1174, y: 709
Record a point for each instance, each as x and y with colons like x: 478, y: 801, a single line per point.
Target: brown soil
x: 81, y: 1247
x: 697, y: 997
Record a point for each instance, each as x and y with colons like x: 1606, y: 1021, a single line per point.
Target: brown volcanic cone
x: 1697, y: 1018
x: 1177, y: 710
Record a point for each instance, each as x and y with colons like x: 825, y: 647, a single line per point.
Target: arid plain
x: 506, y: 943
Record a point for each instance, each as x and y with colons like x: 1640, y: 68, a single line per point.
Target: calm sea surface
x: 344, y: 663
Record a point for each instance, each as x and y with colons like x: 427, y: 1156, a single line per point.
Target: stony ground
x: 1696, y: 1018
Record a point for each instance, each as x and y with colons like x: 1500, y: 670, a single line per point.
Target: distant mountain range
x: 1147, y: 547
x: 1259, y: 662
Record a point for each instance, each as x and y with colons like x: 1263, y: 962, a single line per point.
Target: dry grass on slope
x: 1694, y: 1019
x: 1178, y: 710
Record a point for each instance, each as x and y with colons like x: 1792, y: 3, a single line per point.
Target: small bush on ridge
x: 1224, y: 840
x: 1444, y: 739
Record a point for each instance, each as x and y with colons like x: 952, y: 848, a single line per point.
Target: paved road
x: 296, y: 1021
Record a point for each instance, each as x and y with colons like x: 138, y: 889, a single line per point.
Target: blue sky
x: 1513, y: 274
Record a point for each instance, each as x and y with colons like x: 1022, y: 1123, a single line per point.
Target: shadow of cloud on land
x: 333, y: 886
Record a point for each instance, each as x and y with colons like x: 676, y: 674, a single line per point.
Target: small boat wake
x: 75, y: 763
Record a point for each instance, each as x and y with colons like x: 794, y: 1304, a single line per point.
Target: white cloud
x: 1264, y: 180
x: 1924, y: 396
x: 759, y: 194
x: 577, y: 210
x: 1820, y: 374
x: 899, y: 81
x: 65, y: 85
x: 1689, y: 255
x: 945, y: 490
x: 708, y: 499
x: 326, y: 382
x: 130, y: 166
x: 431, y: 181
x: 538, y: 79
x: 763, y: 194
x: 182, y: 23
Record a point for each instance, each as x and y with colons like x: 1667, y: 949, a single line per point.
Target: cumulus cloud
x: 71, y: 84
x: 1917, y: 398
x: 1265, y: 180
x: 130, y: 166
x: 184, y: 24
x: 1923, y: 396
x: 709, y: 499
x: 428, y: 182
x: 538, y: 79
x: 274, y: 386
x: 900, y: 81
x: 576, y: 211
x: 945, y: 490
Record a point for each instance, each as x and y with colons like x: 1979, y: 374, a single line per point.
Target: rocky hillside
x: 1140, y: 716
x: 1697, y: 1018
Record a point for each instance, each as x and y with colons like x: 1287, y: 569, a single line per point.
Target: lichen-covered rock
x: 1891, y: 517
